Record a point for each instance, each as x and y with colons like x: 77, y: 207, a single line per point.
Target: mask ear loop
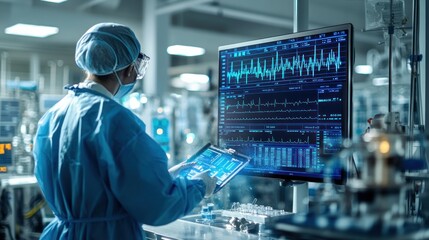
x: 119, y: 81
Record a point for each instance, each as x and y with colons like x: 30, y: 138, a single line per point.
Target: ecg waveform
x: 273, y: 119
x: 278, y: 136
x: 258, y: 104
x: 284, y: 101
x: 275, y: 107
x: 298, y: 63
x: 270, y: 140
x: 298, y: 111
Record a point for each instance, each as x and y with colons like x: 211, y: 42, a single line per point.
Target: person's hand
x: 175, y: 170
x: 209, y: 181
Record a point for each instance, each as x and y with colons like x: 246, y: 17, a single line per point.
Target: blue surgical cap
x: 106, y: 48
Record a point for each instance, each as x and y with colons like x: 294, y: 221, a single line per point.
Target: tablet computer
x: 222, y: 163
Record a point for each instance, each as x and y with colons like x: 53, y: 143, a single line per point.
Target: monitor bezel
x: 347, y: 131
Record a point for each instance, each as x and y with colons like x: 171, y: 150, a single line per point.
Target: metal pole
x: 300, y: 15
x: 414, y: 65
x: 3, y: 69
x: 414, y: 61
x: 52, y: 77
x: 424, y: 85
x: 390, y: 31
x: 66, y: 73
x: 149, y: 39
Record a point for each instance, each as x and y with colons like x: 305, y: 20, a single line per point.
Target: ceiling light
x: 177, y: 83
x: 191, y: 82
x: 54, y: 1
x: 191, y: 78
x: 380, y: 81
x: 187, y: 51
x: 197, y: 87
x: 31, y: 30
x: 363, y: 69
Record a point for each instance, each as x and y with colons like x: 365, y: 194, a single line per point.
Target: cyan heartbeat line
x: 258, y: 104
x: 276, y: 111
x: 271, y: 118
x: 298, y: 63
x: 271, y: 139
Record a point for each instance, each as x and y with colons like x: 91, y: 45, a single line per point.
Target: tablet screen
x: 221, y: 163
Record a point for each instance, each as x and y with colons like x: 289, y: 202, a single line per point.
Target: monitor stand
x: 300, y: 195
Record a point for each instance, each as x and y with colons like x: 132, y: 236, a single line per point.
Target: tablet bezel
x: 225, y: 152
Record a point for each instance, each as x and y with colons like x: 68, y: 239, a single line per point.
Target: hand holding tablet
x: 221, y: 163
x: 209, y: 181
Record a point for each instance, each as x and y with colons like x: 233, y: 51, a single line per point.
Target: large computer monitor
x: 285, y: 101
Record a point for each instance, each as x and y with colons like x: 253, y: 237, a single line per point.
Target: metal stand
x: 391, y: 30
x: 415, y: 59
x: 300, y: 195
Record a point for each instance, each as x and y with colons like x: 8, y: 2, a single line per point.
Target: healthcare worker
x: 101, y: 174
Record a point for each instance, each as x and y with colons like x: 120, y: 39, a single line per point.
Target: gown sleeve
x: 140, y: 180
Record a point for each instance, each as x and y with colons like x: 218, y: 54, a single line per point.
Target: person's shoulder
x: 122, y: 114
x: 58, y: 108
x: 128, y: 117
x: 99, y: 103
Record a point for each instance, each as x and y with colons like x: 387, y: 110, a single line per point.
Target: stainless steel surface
x: 269, y: 216
x: 184, y: 229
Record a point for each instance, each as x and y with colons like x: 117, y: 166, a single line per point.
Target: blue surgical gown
x: 101, y: 174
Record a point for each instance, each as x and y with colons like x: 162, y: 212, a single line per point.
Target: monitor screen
x: 5, y: 156
x: 286, y: 102
x: 10, y: 117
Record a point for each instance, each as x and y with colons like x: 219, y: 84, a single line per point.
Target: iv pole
x: 390, y: 31
x: 392, y: 118
x: 415, y: 58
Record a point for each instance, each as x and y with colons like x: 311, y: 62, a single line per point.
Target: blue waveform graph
x: 285, y: 101
x: 271, y: 107
x: 262, y: 70
x: 258, y: 104
x: 283, y: 119
x: 277, y: 136
x: 270, y: 140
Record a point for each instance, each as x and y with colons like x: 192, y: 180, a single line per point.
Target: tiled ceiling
x: 211, y: 23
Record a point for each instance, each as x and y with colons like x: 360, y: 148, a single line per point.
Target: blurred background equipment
x: 383, y: 194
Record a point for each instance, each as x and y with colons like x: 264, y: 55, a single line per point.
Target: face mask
x: 124, y: 89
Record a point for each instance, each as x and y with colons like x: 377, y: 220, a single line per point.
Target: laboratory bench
x: 190, y: 229
x: 332, y: 228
